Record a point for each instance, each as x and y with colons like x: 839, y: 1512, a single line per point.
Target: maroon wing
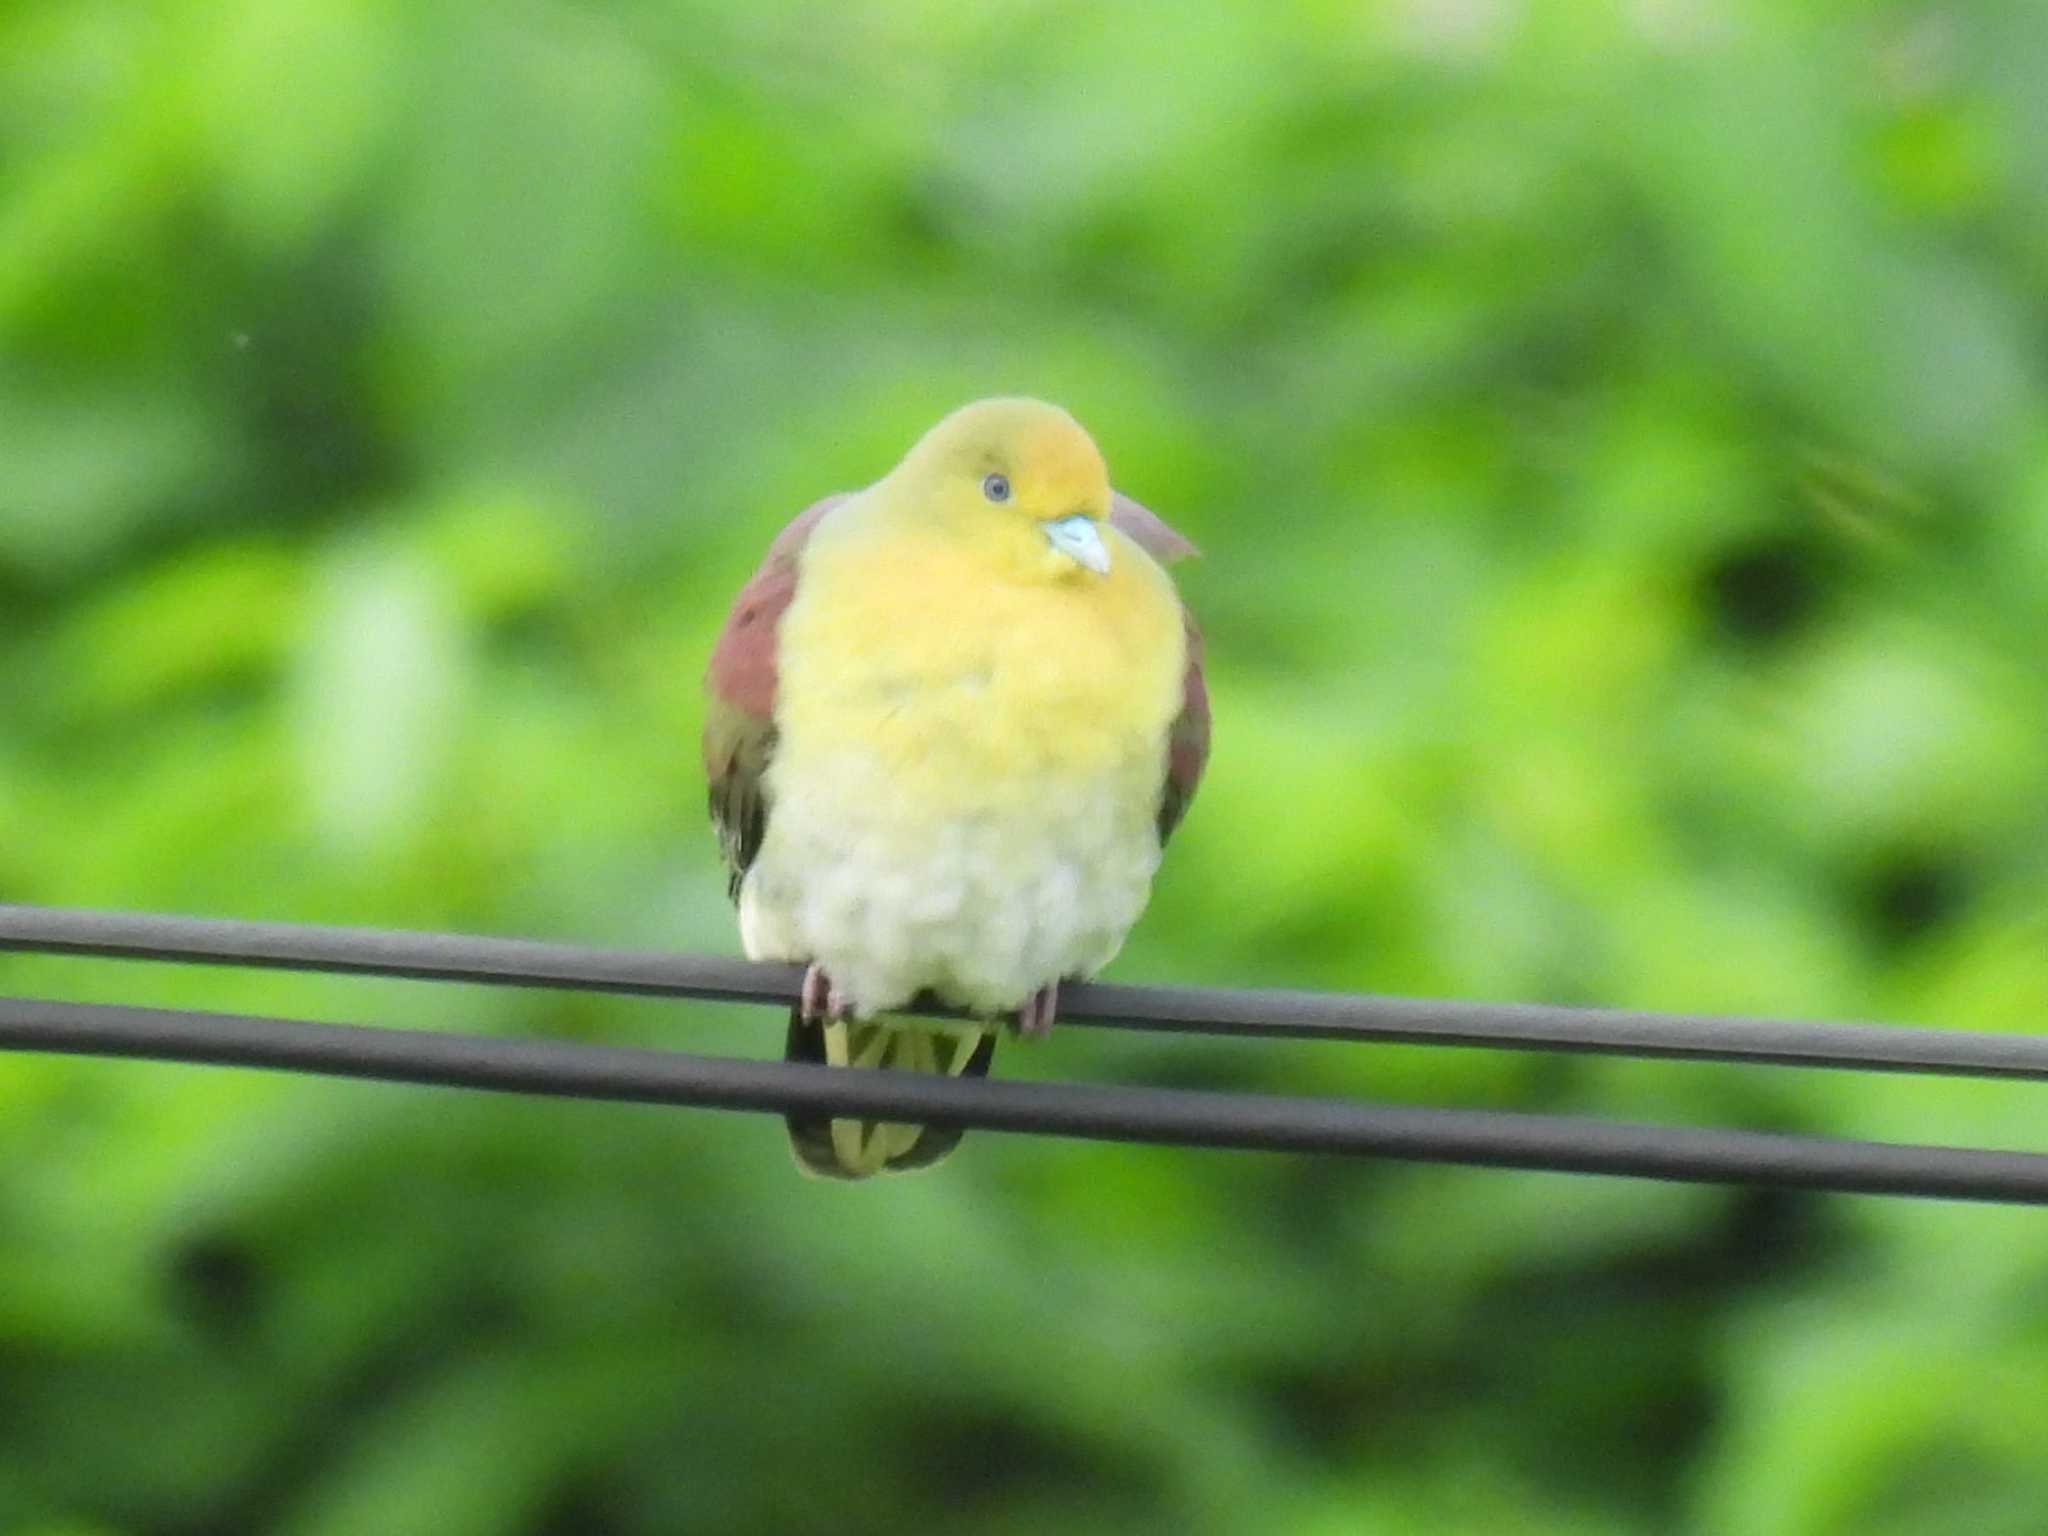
x: 739, y: 686
x: 1187, y: 744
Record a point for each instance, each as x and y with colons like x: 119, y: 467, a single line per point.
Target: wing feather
x: 1187, y: 743
x: 739, y: 684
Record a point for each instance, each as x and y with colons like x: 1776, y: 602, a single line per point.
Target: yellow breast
x: 972, y: 687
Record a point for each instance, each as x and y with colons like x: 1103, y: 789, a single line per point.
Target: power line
x: 1288, y: 1015
x: 1179, y: 1117
x: 1170, y: 1116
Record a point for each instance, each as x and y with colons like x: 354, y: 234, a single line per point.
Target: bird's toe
x: 1035, y: 1017
x: 821, y: 1001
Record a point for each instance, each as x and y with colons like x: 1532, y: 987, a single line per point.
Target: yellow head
x: 1019, y: 477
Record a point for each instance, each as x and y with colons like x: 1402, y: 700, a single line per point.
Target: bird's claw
x: 1035, y: 1018
x: 821, y: 1001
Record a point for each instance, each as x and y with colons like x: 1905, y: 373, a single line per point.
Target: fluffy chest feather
x: 970, y: 686
x: 967, y: 772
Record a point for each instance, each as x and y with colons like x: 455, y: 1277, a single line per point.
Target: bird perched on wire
x: 952, y: 720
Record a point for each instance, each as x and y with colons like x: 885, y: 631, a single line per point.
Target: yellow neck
x: 974, y: 670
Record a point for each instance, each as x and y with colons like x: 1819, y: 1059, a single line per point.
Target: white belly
x: 982, y: 906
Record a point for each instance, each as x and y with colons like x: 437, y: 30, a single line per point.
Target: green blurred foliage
x: 1618, y: 435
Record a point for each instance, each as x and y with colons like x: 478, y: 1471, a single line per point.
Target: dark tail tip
x: 939, y: 1141
x: 810, y: 1136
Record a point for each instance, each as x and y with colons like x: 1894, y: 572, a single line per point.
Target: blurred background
x: 1618, y: 436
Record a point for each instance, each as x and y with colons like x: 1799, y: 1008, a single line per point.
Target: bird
x: 951, y: 722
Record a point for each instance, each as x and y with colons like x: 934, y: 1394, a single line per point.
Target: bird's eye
x: 996, y: 487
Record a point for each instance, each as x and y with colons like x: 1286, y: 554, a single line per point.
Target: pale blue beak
x: 1078, y: 538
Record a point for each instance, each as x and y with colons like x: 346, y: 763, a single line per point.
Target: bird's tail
x: 854, y: 1149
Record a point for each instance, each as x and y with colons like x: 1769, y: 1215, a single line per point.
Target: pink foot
x: 821, y: 1001
x: 1034, y: 1019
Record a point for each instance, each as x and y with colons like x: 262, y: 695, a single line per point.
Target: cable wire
x: 1289, y: 1015
x: 1183, y: 1117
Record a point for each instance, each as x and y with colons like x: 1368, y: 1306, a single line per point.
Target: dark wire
x: 1172, y: 1116
x: 1221, y: 1011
